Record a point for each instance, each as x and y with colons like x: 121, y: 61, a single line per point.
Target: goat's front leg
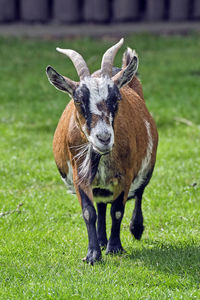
x: 89, y: 215
x: 101, y: 225
x: 117, y: 212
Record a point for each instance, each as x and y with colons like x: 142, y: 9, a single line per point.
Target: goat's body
x: 105, y: 145
x: 128, y: 166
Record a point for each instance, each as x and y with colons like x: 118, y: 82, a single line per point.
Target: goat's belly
x: 68, y: 180
x: 101, y: 195
x: 145, y: 172
x: 140, y: 181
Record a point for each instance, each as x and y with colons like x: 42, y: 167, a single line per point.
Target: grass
x: 41, y: 247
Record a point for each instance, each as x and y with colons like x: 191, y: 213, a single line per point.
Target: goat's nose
x: 104, y: 138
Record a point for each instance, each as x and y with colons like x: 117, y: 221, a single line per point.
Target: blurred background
x: 43, y: 235
x: 98, y: 11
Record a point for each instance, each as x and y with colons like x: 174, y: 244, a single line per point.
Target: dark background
x: 98, y: 11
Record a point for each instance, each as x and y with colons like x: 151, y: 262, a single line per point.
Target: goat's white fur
x: 98, y: 88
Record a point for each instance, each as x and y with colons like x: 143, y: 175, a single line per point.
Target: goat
x: 105, y: 144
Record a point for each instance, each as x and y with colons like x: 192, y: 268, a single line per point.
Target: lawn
x: 42, y: 241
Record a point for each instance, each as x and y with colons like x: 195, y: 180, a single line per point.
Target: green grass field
x: 41, y: 248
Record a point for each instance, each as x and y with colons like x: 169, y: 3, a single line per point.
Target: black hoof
x: 93, y: 256
x: 137, y: 230
x: 103, y: 244
x: 113, y: 248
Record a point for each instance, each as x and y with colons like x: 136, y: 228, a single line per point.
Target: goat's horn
x: 78, y: 62
x: 108, y: 58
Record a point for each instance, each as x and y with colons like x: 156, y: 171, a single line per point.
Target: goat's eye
x: 78, y: 99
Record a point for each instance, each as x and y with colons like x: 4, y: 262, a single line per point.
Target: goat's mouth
x: 102, y: 151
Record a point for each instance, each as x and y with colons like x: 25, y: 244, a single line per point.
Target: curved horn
x: 108, y: 58
x: 78, y: 62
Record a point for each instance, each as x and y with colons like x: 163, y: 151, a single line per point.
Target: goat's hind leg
x: 136, y: 225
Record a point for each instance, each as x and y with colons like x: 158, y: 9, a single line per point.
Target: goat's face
x: 96, y: 100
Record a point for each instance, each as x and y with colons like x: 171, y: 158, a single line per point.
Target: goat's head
x: 96, y: 98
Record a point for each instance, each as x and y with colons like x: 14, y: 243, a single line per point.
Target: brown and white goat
x: 105, y: 144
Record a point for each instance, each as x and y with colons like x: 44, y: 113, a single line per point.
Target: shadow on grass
x: 177, y: 260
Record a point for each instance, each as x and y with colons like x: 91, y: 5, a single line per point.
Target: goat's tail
x: 127, y: 56
x: 135, y: 83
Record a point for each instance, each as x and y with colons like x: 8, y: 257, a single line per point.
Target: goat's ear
x: 60, y: 82
x: 125, y: 75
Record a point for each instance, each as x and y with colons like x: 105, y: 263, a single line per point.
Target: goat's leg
x: 136, y: 225
x: 89, y: 215
x: 101, y: 225
x: 117, y: 212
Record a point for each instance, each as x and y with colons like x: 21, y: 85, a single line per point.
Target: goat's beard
x: 88, y: 160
